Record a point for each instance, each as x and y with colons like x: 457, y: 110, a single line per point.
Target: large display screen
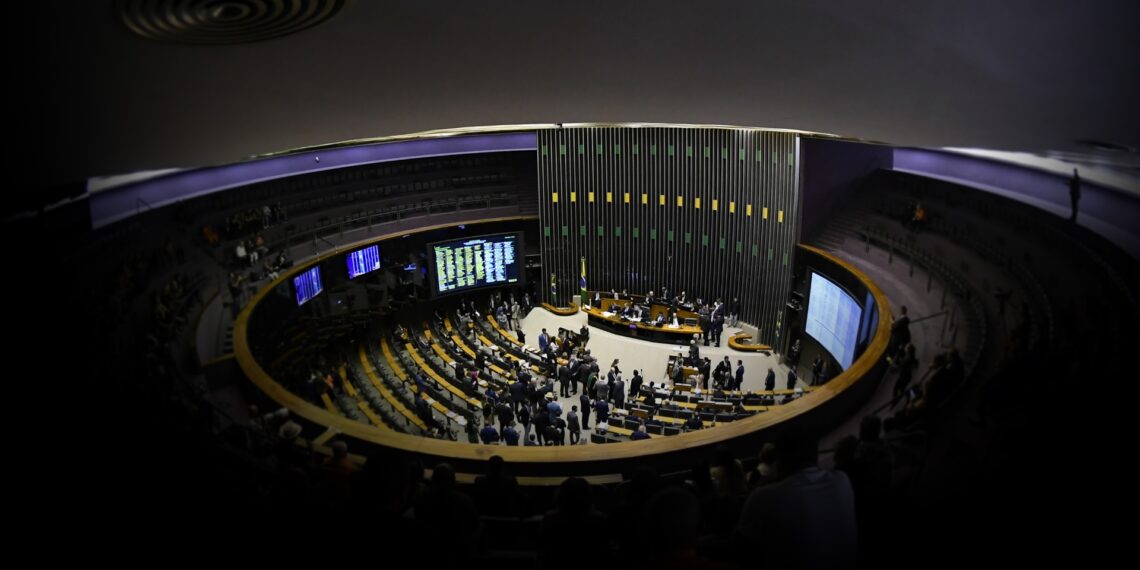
x: 469, y: 263
x: 363, y: 261
x: 308, y: 285
x: 833, y: 318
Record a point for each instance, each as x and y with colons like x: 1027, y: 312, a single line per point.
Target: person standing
x: 1074, y: 194
x: 706, y: 323
x: 734, y: 312
x: 718, y: 325
x: 635, y: 385
x: 791, y: 379
x: 900, y: 331
x: 563, y: 381
x: 739, y: 375
x: 573, y: 426
x: 524, y: 419
x: 770, y: 381
x: 618, y: 392
x: 584, y: 399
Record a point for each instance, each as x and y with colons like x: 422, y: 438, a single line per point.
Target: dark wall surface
x: 831, y: 170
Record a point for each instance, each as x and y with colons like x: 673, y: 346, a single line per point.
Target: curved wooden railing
x: 562, y: 311
x: 562, y: 459
x: 738, y: 342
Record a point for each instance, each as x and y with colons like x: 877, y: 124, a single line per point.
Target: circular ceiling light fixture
x: 223, y: 22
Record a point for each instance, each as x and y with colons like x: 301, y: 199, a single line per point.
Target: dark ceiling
x: 1019, y: 75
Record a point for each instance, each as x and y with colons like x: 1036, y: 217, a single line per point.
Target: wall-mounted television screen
x: 833, y: 318
x: 363, y: 261
x: 308, y: 285
x: 470, y: 263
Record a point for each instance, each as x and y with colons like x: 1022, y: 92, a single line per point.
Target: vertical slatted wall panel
x: 730, y: 200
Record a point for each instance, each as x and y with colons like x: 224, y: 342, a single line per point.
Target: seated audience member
x: 807, y: 520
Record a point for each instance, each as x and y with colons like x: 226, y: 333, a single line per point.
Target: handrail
x: 871, y: 357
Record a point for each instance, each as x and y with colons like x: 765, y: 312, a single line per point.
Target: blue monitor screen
x: 308, y: 285
x: 833, y: 319
x: 363, y: 261
x: 474, y: 262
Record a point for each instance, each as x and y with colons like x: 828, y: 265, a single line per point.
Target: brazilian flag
x: 582, y: 283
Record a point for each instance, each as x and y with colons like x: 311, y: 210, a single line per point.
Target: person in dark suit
x: 900, y: 331
x: 573, y: 425
x: 706, y: 323
x: 518, y: 394
x: 739, y: 375
x: 602, y: 408
x: 584, y: 399
x: 563, y: 381
x: 770, y: 381
x: 651, y: 398
x: 618, y: 392
x: 635, y: 385
x: 791, y: 379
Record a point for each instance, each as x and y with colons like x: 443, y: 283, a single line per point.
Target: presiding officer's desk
x: 605, y: 316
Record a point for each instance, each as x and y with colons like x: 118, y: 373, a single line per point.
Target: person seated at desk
x: 639, y: 434
x: 636, y: 313
x: 597, y: 300
x: 650, y: 299
x: 660, y: 319
x: 694, y: 422
x: 615, y: 294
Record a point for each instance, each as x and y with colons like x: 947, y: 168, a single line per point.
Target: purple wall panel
x: 831, y: 169
x: 115, y: 204
x: 1110, y: 213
